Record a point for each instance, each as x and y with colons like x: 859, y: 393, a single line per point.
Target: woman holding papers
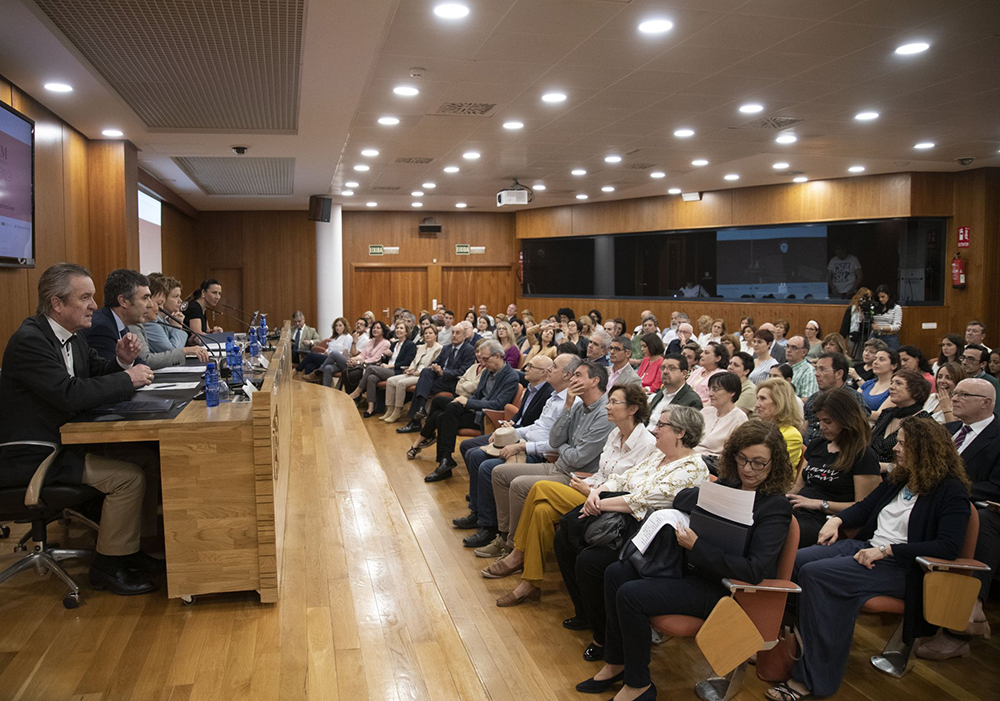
x: 629, y: 444
x: 754, y: 460
x: 650, y: 485
x: 840, y: 467
x: 922, y: 509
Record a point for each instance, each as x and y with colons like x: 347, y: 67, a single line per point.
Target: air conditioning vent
x: 637, y: 166
x: 240, y: 176
x: 384, y: 189
x: 466, y: 109
x: 772, y: 123
x: 422, y: 161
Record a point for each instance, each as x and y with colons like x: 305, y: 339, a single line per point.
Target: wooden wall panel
x: 76, y: 188
x: 470, y: 286
x: 179, y: 248
x: 380, y: 289
x: 932, y: 194
x: 114, y: 207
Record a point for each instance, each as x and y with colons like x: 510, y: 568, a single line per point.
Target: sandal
x: 414, y: 451
x: 783, y: 692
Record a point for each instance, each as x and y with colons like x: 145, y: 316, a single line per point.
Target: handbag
x: 608, y: 527
x: 775, y: 665
x: 664, y: 558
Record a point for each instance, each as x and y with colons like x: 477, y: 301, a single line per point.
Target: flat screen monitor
x: 17, y: 189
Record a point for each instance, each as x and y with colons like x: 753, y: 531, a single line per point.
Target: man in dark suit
x: 977, y: 438
x: 50, y: 375
x: 126, y: 301
x: 442, y: 375
x: 497, y: 387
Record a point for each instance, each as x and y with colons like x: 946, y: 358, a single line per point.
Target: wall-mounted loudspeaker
x: 429, y: 226
x: 319, y: 208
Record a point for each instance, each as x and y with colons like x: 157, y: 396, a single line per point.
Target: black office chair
x: 39, y: 504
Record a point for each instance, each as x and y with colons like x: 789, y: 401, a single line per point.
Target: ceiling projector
x: 515, y: 194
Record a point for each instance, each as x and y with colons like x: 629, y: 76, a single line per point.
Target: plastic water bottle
x: 263, y: 330
x: 211, y: 385
x: 254, y: 346
x: 234, y: 360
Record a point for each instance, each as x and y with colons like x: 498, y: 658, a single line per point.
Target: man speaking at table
x: 50, y: 375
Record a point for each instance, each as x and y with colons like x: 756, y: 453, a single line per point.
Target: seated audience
x: 674, y: 389
x: 621, y: 328
x: 731, y: 342
x: 907, y: 393
x: 705, y: 323
x: 585, y: 327
x: 777, y: 404
x: 803, y: 374
x: 939, y: 404
x: 167, y: 334
x: 649, y: 374
x: 643, y: 315
x: 484, y: 328
x: 126, y: 301
x: 468, y: 383
x: 975, y: 334
x: 685, y: 333
x: 831, y: 373
x: 167, y: 358
x: 746, y: 338
x: 598, y: 346
x: 776, y: 350
x: 714, y: 360
x: 763, y: 361
x: 648, y: 326
x: 395, y: 386
x: 340, y: 341
x: 205, y: 298
x: 754, y: 460
x: 721, y: 416
x: 620, y: 371
x: 649, y: 486
x: 504, y: 333
x: 740, y: 364
x: 304, y: 337
x: 596, y: 318
x: 840, y: 468
x: 864, y: 371
x: 780, y: 331
x: 670, y: 333
x: 994, y: 366
x: 952, y: 346
x: 442, y: 375
x: 352, y: 369
x: 51, y: 375
x: 910, y: 358
x: 876, y: 390
x: 921, y: 510
x: 691, y: 351
x: 567, y: 347
x: 627, y: 446
x: 402, y: 351
x: 975, y: 359
x: 542, y: 340
x: 835, y: 343
x: 814, y: 339
x: 483, y: 310
x: 444, y: 334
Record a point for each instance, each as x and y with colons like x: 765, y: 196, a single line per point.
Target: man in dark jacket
x: 126, y: 301
x: 50, y: 375
x: 442, y: 375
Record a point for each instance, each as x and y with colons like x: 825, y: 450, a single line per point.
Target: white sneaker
x: 496, y: 548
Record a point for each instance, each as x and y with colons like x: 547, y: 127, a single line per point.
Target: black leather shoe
x: 123, y: 581
x: 594, y: 653
x: 470, y: 521
x: 481, y: 538
x: 411, y: 427
x: 141, y: 562
x: 442, y: 471
x: 576, y: 623
x: 593, y: 686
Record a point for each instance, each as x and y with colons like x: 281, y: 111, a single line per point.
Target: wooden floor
x: 380, y: 601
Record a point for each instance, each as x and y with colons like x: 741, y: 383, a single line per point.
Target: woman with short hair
x: 721, y: 416
x: 740, y: 365
x: 763, y: 360
x: 908, y: 391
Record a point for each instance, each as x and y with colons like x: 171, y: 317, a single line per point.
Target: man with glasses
x: 832, y: 370
x: 974, y: 359
x: 674, y: 388
x: 685, y: 331
x: 803, y: 375
x: 620, y: 372
x: 977, y: 439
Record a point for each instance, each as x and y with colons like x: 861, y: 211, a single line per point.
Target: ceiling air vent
x: 465, y: 109
x: 385, y: 189
x: 773, y: 123
x: 414, y: 161
x: 637, y: 166
x: 249, y: 177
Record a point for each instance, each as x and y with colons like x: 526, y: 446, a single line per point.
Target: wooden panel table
x: 224, y: 474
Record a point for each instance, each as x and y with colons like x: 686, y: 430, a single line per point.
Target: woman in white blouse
x: 395, y: 386
x: 721, y: 416
x: 888, y: 319
x: 340, y: 340
x: 629, y: 443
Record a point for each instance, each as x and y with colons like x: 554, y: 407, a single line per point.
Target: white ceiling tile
x: 396, y: 67
x: 558, y: 17
x: 526, y: 48
x: 750, y: 32
x: 795, y: 91
x: 729, y: 87
x: 658, y: 82
x: 501, y: 72
x: 484, y: 17
x: 688, y: 18
x: 613, y: 53
x: 795, y: 8
x: 832, y: 39
x: 844, y: 71
x: 433, y: 41
x: 576, y: 76
x: 898, y: 14
x: 703, y: 60
x: 774, y: 65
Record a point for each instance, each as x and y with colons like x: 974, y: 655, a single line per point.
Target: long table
x: 224, y: 476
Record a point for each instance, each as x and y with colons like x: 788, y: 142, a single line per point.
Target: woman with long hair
x: 401, y: 353
x: 484, y: 328
x: 876, y: 390
x: 911, y: 358
x: 542, y: 339
x: 888, y: 319
x: 649, y: 370
x: 908, y: 391
x: 835, y: 343
x: 202, y: 300
x: 856, y: 325
x: 952, y: 346
x: 921, y: 510
x: 505, y: 335
x: 938, y: 403
x: 340, y: 340
x: 841, y: 469
x: 777, y: 404
x: 354, y: 367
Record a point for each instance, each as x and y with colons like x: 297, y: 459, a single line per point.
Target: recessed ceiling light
x: 578, y: 171
x: 924, y: 144
x: 866, y: 116
x: 786, y: 139
x: 370, y: 152
x: 513, y: 125
x: 113, y: 132
x: 684, y: 133
x: 388, y: 121
x: 674, y: 191
x: 58, y: 87
x: 451, y: 169
x: 347, y: 193
x: 800, y: 179
x: 361, y: 167
x: 451, y: 10
x: 699, y: 162
x: 371, y: 204
x: 607, y: 188
x: 581, y: 197
x: 780, y: 166
x: 405, y: 90
x: 538, y: 186
x: 429, y: 186
x: 752, y: 108
x: 416, y: 204
x: 612, y: 159
x: 856, y: 169
x: 461, y: 205
x: 351, y: 184
x: 732, y: 176
x: 914, y: 48
x: 657, y: 174
x: 417, y: 193
x: 471, y: 155
x: 553, y: 97
x: 656, y: 26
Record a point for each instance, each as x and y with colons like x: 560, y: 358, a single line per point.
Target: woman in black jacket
x: 755, y: 459
x: 921, y: 510
x: 402, y: 352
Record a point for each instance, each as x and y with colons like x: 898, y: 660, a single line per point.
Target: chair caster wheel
x: 4, y: 531
x: 188, y: 600
x: 71, y: 601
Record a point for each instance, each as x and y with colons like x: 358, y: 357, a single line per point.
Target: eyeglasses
x: 664, y: 424
x: 756, y: 464
x: 617, y: 349
x: 963, y: 395
x: 617, y: 401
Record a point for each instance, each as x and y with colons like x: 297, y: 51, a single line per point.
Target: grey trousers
x: 373, y: 375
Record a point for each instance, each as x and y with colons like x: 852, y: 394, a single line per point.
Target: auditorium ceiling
x: 305, y: 83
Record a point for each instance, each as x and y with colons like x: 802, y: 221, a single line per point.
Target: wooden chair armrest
x: 935, y: 564
x: 33, y: 494
x: 776, y: 585
x: 494, y: 415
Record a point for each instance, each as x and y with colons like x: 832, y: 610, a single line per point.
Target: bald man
x: 977, y: 438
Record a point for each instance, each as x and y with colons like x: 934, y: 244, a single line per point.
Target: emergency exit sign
x: 376, y: 250
x: 462, y: 249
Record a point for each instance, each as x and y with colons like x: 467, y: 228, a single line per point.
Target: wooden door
x: 231, y: 280
x: 469, y: 286
x: 378, y: 289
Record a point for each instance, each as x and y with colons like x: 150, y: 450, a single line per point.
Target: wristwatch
x: 825, y: 505
x: 881, y: 549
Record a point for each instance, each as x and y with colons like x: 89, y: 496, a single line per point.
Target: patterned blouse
x: 652, y: 485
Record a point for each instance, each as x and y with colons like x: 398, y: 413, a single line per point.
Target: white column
x: 329, y: 270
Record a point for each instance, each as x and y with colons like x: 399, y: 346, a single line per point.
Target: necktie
x: 960, y: 436
x: 298, y: 335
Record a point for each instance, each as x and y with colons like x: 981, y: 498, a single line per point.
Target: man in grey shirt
x: 578, y: 435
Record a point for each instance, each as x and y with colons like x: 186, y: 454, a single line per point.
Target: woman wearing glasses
x: 754, y: 460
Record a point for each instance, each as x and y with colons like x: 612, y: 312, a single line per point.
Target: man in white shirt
x: 975, y: 335
x: 693, y: 289
x: 444, y: 335
x: 843, y: 274
x: 483, y: 312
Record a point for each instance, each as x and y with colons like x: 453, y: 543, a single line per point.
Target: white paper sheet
x: 726, y: 502
x: 169, y: 385
x: 181, y: 370
x: 653, y: 524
